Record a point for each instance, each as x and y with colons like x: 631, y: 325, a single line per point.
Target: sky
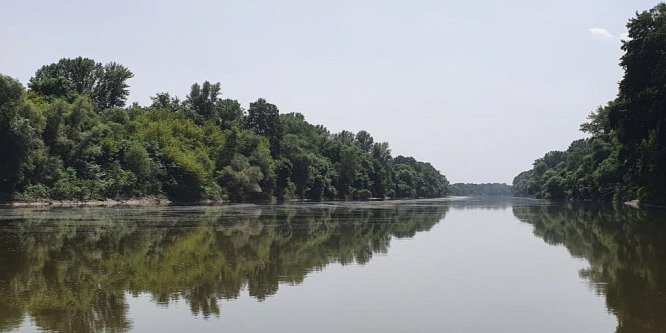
x: 478, y: 88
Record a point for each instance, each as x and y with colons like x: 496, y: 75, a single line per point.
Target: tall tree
x: 230, y: 113
x: 69, y: 78
x: 203, y: 99
x: 165, y: 101
x: 112, y: 89
x: 364, y: 140
x: 264, y: 119
x: 638, y: 116
x: 349, y: 164
x: 19, y: 139
x: 381, y: 151
x: 345, y: 137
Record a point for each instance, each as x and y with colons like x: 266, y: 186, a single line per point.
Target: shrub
x: 363, y: 194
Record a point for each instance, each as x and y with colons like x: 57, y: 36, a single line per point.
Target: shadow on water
x: 70, y: 270
x: 626, y: 252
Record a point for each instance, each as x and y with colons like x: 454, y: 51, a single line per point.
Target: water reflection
x: 70, y: 270
x: 626, y: 251
x: 493, y: 203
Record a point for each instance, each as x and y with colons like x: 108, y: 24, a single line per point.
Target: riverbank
x: 162, y: 201
x: 151, y: 201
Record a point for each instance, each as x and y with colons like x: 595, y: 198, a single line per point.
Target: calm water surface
x: 456, y: 265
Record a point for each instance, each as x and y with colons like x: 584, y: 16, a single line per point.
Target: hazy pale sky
x: 478, y: 88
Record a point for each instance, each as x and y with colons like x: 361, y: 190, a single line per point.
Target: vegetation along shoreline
x: 70, y: 137
x: 624, y: 157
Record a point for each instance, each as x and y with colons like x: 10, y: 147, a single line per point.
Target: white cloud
x: 601, y: 33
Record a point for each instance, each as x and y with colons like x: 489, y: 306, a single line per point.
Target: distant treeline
x: 70, y: 136
x: 462, y: 189
x: 625, y: 155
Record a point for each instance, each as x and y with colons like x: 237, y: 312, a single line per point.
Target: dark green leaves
x: 69, y: 78
x: 626, y: 155
x: 71, y: 138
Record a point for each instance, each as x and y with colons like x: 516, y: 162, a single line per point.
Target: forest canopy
x: 624, y: 157
x: 69, y: 135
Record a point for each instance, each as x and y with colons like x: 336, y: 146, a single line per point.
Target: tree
x: 638, y: 115
x: 264, y: 119
x: 230, y: 113
x: 112, y: 89
x: 365, y: 141
x: 625, y: 156
x: 69, y: 78
x: 202, y: 101
x: 165, y: 101
x: 19, y: 140
x: 381, y: 151
x: 70, y: 138
x: 405, y: 179
x: 345, y: 137
x: 204, y: 104
x: 240, y: 179
x: 73, y: 132
x: 349, y: 164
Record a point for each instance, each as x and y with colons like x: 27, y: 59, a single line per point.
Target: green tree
x: 202, y: 101
x: 347, y: 138
x: 240, y: 179
x: 625, y: 156
x: 230, y: 113
x: 264, y: 119
x: 111, y: 89
x: 638, y: 115
x: 70, y: 137
x: 165, y: 101
x: 69, y: 78
x: 365, y: 141
x: 19, y: 139
x: 349, y: 164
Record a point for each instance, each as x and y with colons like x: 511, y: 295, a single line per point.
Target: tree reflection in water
x: 626, y: 251
x: 69, y: 270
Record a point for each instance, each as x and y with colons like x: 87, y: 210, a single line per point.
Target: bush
x: 120, y: 183
x: 212, y: 192
x: 70, y: 187
x: 35, y: 192
x: 363, y: 194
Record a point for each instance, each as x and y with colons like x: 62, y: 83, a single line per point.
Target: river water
x: 449, y: 265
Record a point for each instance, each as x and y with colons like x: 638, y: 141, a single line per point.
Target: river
x: 448, y: 265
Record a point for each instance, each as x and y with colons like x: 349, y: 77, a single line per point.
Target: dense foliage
x: 625, y: 155
x: 486, y: 189
x: 70, y: 136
